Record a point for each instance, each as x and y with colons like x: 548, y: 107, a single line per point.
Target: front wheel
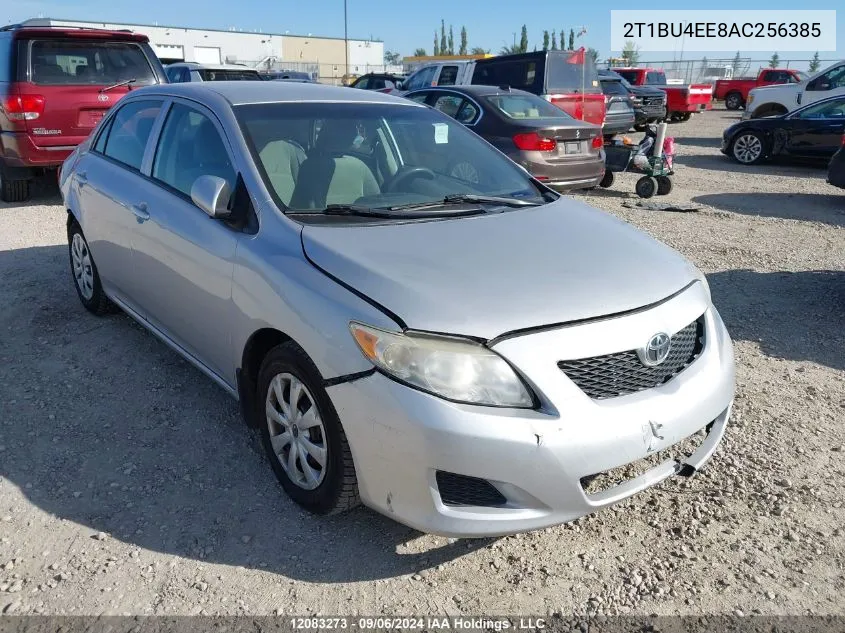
x: 607, y: 179
x: 85, y: 276
x: 302, y: 434
x: 747, y: 148
x: 646, y: 187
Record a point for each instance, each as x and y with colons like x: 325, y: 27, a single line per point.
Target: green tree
x: 545, y: 40
x: 436, y: 44
x: 774, y: 62
x: 392, y: 58
x: 737, y: 62
x: 443, y: 46
x: 554, y: 40
x: 463, y: 50
x: 814, y: 63
x: 523, y: 40
x: 478, y: 50
x: 563, y: 39
x: 631, y: 52
x: 572, y: 39
x: 593, y: 55
x: 510, y: 50
x: 420, y: 52
x: 451, y: 41
x: 704, y: 64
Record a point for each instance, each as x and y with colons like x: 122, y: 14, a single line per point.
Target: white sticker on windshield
x: 441, y: 133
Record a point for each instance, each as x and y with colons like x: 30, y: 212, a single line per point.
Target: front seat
x: 330, y: 174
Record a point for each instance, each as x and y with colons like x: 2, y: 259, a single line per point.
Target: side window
x: 448, y: 76
x: 173, y: 74
x: 130, y: 130
x: 831, y: 80
x: 364, y: 84
x: 421, y: 97
x: 422, y: 78
x: 6, y: 57
x: 468, y: 113
x: 189, y: 147
x: 769, y: 75
x: 448, y: 104
x: 830, y: 110
x: 100, y: 145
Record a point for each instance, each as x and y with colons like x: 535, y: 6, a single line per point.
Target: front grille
x: 619, y: 374
x: 460, y: 490
x: 654, y: 101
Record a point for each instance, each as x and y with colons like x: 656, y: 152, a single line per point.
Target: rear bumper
x: 19, y: 150
x: 579, y: 173
x: 618, y: 123
x: 692, y: 107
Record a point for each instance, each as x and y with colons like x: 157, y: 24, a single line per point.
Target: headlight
x: 452, y: 368
x: 750, y: 98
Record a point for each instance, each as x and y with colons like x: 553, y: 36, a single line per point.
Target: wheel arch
x: 256, y: 348
x: 769, y: 109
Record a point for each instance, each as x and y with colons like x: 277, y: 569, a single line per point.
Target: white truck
x: 782, y: 98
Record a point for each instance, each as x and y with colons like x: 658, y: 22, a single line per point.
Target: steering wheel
x: 408, y: 173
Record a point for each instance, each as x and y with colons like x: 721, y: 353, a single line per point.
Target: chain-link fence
x: 708, y: 70
x: 327, y: 73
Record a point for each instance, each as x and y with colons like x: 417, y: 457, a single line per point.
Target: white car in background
x: 782, y: 98
x: 185, y: 72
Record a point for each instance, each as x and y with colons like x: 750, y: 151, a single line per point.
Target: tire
x: 84, y: 273
x: 326, y: 488
x: 607, y: 179
x: 646, y: 187
x: 683, y: 117
x: 664, y: 185
x: 733, y: 101
x: 13, y: 190
x: 748, y: 148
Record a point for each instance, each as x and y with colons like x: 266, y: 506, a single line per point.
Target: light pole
x: 346, y: 37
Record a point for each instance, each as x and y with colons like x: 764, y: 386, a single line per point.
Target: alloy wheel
x: 747, y: 148
x: 296, y: 431
x: 83, y: 271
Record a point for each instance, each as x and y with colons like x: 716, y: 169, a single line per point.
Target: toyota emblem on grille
x: 656, y: 350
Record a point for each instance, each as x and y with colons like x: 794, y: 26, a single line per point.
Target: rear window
x: 653, y: 78
x: 523, y: 107
x: 629, y: 75
x: 566, y: 73
x: 75, y: 62
x: 228, y: 75
x: 613, y: 87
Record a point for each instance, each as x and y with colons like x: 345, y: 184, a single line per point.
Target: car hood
x: 647, y: 91
x: 484, y: 276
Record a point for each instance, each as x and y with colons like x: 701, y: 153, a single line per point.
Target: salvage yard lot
x: 130, y: 485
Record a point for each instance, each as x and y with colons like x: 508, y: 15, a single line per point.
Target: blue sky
x: 403, y: 26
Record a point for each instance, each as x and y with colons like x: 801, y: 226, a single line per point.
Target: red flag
x: 578, y: 57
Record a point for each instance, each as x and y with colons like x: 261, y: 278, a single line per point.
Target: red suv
x: 56, y: 83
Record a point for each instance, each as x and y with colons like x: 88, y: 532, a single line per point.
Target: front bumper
x: 650, y: 113
x: 537, y: 459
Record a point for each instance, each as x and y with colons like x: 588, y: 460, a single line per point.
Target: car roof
x: 23, y: 31
x: 477, y: 90
x: 247, y: 92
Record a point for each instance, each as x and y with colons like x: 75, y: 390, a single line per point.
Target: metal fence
x: 708, y: 70
x: 327, y: 73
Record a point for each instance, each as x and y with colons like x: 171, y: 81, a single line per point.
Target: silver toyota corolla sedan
x: 469, y: 358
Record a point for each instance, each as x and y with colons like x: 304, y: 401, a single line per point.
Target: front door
x: 183, y: 258
x: 816, y: 131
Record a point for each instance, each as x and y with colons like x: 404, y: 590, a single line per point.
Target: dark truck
x: 682, y: 101
x: 734, y: 92
x: 649, y: 102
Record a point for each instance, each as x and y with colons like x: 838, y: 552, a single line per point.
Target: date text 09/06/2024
x: 421, y: 623
x: 722, y: 29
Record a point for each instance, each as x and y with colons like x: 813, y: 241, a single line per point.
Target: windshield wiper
x: 464, y: 198
x: 387, y: 213
x: 118, y: 85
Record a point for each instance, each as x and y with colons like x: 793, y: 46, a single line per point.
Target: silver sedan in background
x: 467, y: 357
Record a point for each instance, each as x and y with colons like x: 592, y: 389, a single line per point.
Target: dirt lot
x: 130, y: 485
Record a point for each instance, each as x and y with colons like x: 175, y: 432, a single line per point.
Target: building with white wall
x: 324, y: 55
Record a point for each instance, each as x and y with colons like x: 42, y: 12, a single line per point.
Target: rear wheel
x: 733, y: 101
x: 86, y: 279
x: 302, y: 434
x: 13, y: 190
x: 607, y: 180
x: 748, y: 148
x: 646, y: 187
x: 684, y: 116
x: 664, y: 185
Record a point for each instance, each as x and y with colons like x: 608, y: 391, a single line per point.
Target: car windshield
x: 209, y: 74
x: 75, y: 62
x: 802, y: 76
x: 525, y: 107
x: 314, y: 156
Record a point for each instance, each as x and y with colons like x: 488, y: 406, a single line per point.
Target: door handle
x: 82, y: 177
x: 140, y: 211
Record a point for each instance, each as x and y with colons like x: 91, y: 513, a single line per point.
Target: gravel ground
x: 130, y: 485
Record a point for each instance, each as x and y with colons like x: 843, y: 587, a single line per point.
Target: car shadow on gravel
x: 699, y: 141
x: 791, y: 315
x: 104, y: 426
x: 783, y: 169
x: 809, y: 207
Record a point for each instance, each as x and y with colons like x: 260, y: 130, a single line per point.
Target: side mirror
x: 212, y: 195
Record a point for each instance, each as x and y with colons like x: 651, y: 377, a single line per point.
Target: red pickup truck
x: 681, y: 100
x: 735, y: 91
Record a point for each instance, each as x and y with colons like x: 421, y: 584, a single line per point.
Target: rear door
x: 74, y: 78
